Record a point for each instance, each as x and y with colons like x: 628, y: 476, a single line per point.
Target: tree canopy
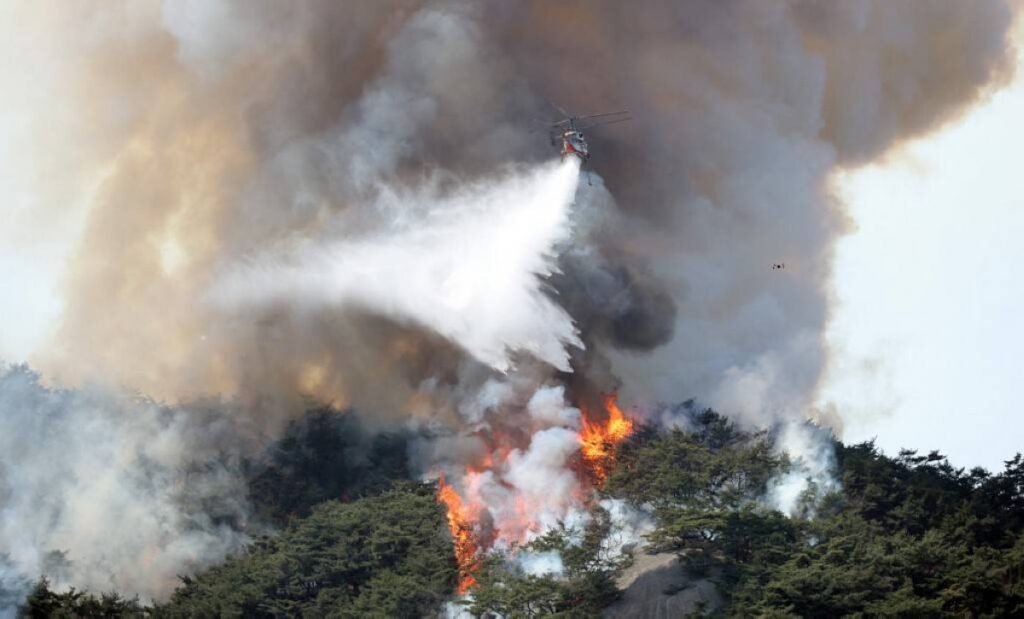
x: 382, y: 556
x: 904, y: 535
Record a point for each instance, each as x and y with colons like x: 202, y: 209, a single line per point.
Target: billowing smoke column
x: 346, y: 201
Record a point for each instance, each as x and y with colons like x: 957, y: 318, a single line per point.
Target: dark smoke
x: 621, y: 305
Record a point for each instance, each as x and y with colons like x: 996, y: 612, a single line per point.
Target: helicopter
x: 567, y: 134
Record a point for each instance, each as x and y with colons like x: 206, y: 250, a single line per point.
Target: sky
x: 31, y: 255
x: 929, y: 307
x: 928, y: 325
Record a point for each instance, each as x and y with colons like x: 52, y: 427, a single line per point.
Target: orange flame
x: 598, y: 440
x: 462, y: 534
x: 598, y: 437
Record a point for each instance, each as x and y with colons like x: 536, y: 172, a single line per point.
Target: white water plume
x: 468, y: 264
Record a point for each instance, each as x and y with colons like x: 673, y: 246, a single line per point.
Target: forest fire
x: 489, y: 504
x: 459, y: 523
x: 597, y: 439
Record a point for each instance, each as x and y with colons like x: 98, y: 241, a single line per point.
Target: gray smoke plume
x: 227, y: 128
x: 114, y: 493
x: 191, y: 138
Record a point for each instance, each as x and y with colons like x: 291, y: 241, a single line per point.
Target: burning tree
x: 461, y: 528
x: 598, y: 439
x: 593, y: 444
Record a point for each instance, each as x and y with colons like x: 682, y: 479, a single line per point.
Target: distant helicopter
x: 567, y: 134
x: 779, y: 266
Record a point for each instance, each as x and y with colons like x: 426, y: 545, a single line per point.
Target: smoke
x: 628, y: 528
x: 514, y: 461
x: 113, y: 493
x: 239, y: 130
x: 546, y: 563
x: 811, y: 471
x: 267, y: 203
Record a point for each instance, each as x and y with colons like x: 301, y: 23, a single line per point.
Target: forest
x: 906, y: 535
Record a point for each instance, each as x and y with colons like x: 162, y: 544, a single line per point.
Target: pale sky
x: 930, y: 290
x: 31, y: 256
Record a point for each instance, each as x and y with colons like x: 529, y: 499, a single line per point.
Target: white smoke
x: 113, y: 494
x: 546, y: 563
x: 541, y: 475
x: 629, y: 527
x: 516, y: 461
x: 467, y: 264
x: 760, y: 395
x: 811, y: 472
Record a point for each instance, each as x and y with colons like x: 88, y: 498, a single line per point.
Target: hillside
x: 909, y: 535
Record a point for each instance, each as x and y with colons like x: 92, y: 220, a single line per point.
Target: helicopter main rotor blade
x: 606, y: 122
x: 604, y: 114
x: 539, y: 124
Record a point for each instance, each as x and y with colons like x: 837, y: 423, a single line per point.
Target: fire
x: 487, y: 509
x: 459, y: 523
x: 597, y: 440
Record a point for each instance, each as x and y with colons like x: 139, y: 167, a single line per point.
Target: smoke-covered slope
x: 909, y: 535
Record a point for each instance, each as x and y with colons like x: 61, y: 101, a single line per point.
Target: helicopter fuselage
x: 569, y: 131
x: 574, y: 144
